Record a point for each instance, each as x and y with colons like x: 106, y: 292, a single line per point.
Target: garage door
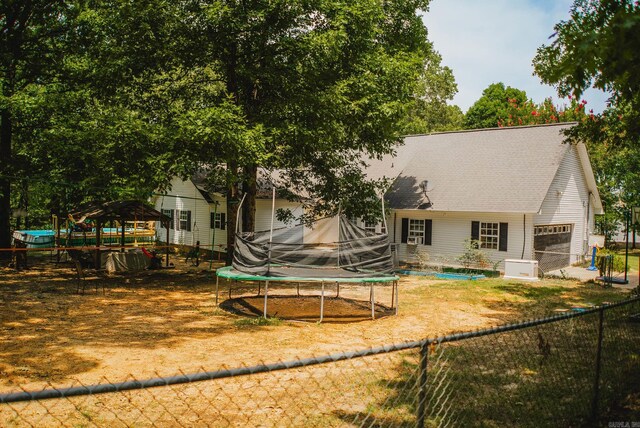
x: 552, y: 246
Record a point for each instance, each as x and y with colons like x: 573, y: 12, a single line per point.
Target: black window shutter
x: 428, y: 227
x: 188, y: 221
x: 475, y: 230
x: 177, y: 219
x: 504, y: 233
x: 212, y: 220
x: 223, y: 221
x: 405, y: 230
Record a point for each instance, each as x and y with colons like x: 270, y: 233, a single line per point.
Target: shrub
x: 618, y: 261
x: 473, y: 255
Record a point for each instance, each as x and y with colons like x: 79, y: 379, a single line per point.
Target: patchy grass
x: 257, y: 322
x: 164, y: 322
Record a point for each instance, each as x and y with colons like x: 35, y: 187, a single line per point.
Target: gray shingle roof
x: 488, y: 170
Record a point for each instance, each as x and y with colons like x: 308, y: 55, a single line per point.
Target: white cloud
x: 495, y: 41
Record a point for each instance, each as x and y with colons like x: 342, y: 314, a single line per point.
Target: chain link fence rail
x: 565, y: 370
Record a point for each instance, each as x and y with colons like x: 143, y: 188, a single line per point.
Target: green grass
x: 257, y: 322
x: 515, y: 299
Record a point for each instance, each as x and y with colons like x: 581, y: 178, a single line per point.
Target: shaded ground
x: 161, y: 322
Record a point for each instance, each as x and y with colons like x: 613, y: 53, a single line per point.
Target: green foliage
x: 429, y: 111
x: 597, y: 46
x: 618, y: 261
x: 493, y: 106
x: 500, y: 107
x: 473, y: 256
x: 112, y: 99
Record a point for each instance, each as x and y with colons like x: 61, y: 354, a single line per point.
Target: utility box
x: 526, y: 270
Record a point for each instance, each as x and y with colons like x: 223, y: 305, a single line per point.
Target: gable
x: 491, y: 170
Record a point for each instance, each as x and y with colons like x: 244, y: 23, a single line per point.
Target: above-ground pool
x: 441, y: 275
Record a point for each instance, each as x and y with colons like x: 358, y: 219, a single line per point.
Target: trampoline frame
x: 230, y: 274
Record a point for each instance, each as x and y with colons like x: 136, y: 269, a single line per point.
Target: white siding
x: 566, y: 203
x: 451, y: 229
x: 184, y: 196
x: 263, y: 213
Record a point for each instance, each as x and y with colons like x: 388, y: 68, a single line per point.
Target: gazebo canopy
x: 120, y: 210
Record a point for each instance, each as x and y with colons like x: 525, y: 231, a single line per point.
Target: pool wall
x: 439, y: 275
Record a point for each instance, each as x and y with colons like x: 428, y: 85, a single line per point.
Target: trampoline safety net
x: 333, y: 247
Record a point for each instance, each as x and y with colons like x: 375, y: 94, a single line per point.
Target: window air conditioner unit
x: 413, y: 241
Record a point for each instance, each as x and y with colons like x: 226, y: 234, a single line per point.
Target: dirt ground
x: 162, y: 322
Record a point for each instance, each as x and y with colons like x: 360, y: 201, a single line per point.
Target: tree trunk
x: 5, y: 182
x: 250, y: 188
x: 232, y: 208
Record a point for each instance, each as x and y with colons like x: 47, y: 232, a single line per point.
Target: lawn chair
x: 82, y: 278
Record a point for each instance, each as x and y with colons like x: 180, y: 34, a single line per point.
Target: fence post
x: 596, y: 385
x: 422, y: 385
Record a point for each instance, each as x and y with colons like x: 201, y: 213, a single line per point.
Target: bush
x: 473, y: 255
x: 618, y: 261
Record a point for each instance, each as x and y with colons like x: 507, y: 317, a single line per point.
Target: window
x: 416, y: 232
x: 551, y: 230
x: 168, y: 213
x: 373, y: 227
x: 489, y: 234
x: 370, y: 227
x: 218, y: 221
x: 185, y: 220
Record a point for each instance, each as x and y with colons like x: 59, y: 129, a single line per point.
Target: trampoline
x: 323, y: 276
x: 330, y: 251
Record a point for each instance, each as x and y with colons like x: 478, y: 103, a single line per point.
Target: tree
x: 429, y: 112
x: 309, y: 88
x: 597, y: 46
x: 31, y: 44
x: 500, y: 107
x: 493, y: 106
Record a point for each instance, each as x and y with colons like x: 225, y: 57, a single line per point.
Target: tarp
x: 126, y: 262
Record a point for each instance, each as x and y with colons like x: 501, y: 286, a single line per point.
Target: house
x: 521, y: 192
x: 200, y: 214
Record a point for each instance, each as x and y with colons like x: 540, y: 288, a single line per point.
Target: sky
x: 492, y: 41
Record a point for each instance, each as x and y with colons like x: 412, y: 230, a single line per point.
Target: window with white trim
x: 374, y: 227
x: 416, y: 232
x: 489, y: 235
x: 217, y: 221
x: 184, y: 220
x: 551, y: 229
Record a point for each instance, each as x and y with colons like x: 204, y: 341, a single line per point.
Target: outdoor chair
x: 81, y: 278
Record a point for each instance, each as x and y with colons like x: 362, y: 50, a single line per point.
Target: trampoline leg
x: 298, y: 289
x: 266, y: 292
x: 337, y: 289
x: 393, y: 293
x: 373, y: 309
x: 217, y: 288
x: 397, y: 297
x: 322, y: 302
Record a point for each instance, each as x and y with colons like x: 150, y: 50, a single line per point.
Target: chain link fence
x: 566, y: 370
x: 549, y: 261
